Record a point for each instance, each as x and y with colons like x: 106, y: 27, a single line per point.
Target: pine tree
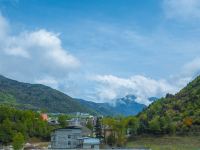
x: 98, y: 128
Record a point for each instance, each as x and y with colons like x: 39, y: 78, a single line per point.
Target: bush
x: 18, y: 141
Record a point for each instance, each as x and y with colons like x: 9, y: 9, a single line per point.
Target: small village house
x: 44, y: 116
x: 66, y: 138
x: 71, y: 137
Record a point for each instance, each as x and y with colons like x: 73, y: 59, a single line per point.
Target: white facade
x: 66, y: 138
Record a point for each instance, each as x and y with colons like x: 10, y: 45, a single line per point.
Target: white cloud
x: 187, y: 73
x: 192, y: 68
x: 30, y: 55
x: 182, y: 9
x: 43, y: 44
x: 112, y: 87
x: 49, y: 81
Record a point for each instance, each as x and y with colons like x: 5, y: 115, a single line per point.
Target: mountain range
x: 41, y: 97
x: 122, y: 106
x: 178, y: 112
x: 37, y: 97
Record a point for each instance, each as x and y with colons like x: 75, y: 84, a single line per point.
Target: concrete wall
x: 88, y: 146
x: 65, y: 138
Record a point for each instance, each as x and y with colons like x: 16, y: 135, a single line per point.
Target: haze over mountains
x: 123, y: 106
x: 38, y: 96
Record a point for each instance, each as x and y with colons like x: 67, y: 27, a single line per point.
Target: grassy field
x: 166, y: 143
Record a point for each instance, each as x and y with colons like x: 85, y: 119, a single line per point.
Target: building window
x: 53, y: 138
x: 92, y: 146
x: 74, y: 143
x: 69, y: 136
x: 69, y: 142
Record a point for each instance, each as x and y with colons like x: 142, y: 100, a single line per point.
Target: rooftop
x: 69, y: 127
x: 90, y: 140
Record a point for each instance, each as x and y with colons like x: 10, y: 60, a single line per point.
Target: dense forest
x: 26, y: 123
x: 179, y: 113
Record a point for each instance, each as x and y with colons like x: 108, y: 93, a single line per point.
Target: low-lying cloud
x: 111, y: 87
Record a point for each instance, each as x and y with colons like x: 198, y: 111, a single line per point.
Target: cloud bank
x: 142, y: 87
x: 33, y: 55
x: 111, y: 87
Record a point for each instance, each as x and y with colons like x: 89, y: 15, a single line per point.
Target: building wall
x: 44, y: 117
x: 88, y: 146
x: 65, y: 138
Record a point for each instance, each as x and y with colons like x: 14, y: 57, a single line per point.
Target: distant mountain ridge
x: 37, y: 96
x: 41, y: 97
x: 123, y: 106
x: 128, y: 106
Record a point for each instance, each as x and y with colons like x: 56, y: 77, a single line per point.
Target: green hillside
x: 37, y: 97
x: 178, y: 113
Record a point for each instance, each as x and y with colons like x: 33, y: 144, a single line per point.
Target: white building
x: 66, y: 138
x: 72, y: 138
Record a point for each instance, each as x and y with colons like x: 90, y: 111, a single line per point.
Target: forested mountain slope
x: 37, y: 96
x: 175, y: 113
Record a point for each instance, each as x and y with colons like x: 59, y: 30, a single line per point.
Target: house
x: 78, y: 121
x: 44, y: 116
x: 83, y: 115
x: 71, y: 137
x: 53, y: 121
x: 74, y: 122
x: 89, y: 143
x: 66, y: 138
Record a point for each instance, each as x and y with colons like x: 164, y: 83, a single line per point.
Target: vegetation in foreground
x: 165, y: 142
x: 17, y: 126
x: 179, y: 113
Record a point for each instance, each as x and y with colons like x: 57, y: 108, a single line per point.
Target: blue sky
x: 104, y: 49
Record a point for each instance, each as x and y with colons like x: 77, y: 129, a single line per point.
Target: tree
x: 120, y: 130
x: 98, y: 128
x: 6, y: 132
x: 62, y: 119
x: 18, y: 141
x: 132, y: 125
x: 154, y: 125
x: 121, y: 139
x: 171, y: 128
x: 89, y: 125
x: 187, y: 121
x: 110, y: 140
